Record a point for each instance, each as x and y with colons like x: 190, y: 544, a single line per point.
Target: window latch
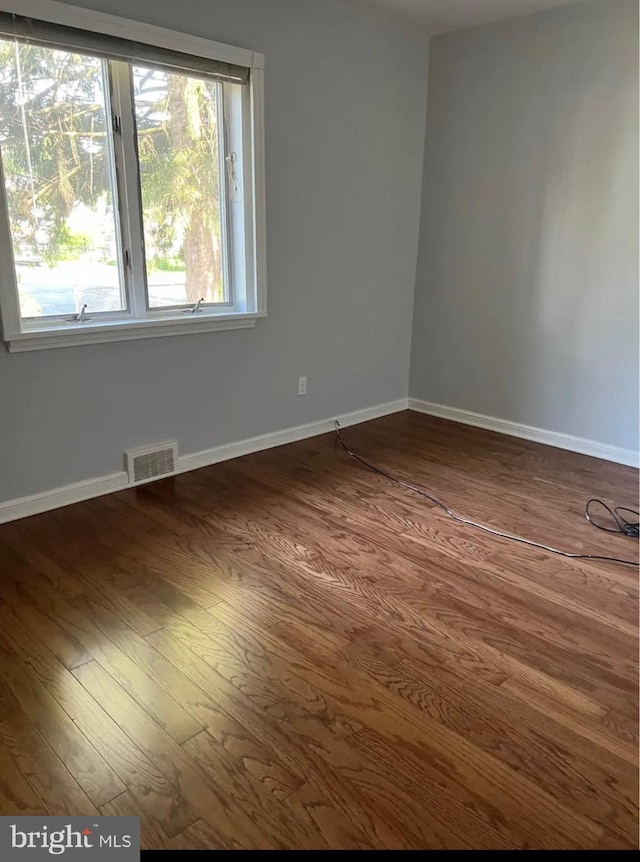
x: 234, y: 186
x: 195, y: 309
x: 80, y: 317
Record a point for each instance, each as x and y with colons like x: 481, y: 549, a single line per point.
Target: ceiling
x: 439, y: 16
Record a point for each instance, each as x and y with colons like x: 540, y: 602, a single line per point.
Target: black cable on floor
x: 624, y: 527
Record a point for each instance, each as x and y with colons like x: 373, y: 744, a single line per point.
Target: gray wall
x: 345, y: 117
x: 526, y: 302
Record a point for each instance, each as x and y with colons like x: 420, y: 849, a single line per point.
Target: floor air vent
x: 143, y: 464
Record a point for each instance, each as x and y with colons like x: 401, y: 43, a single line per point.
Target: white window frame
x: 249, y: 247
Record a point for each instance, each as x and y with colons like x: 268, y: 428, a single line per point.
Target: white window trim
x: 48, y: 334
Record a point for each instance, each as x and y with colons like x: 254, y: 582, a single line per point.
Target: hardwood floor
x: 288, y: 651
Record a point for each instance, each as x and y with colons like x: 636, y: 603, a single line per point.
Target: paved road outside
x: 64, y: 288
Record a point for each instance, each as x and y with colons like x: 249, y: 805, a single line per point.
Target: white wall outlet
x: 302, y: 385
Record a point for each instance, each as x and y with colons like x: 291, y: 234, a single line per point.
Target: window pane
x: 178, y: 130
x: 58, y: 170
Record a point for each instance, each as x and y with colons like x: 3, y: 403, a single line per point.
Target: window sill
x: 71, y: 335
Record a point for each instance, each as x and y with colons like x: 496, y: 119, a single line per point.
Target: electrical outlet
x: 302, y: 385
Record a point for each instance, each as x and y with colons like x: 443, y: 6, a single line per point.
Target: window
x: 131, y: 201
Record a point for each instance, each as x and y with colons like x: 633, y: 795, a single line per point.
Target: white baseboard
x: 11, y: 510
x: 288, y: 435
x: 528, y: 432
x: 22, y: 507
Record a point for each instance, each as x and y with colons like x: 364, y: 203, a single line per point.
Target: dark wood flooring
x: 286, y: 650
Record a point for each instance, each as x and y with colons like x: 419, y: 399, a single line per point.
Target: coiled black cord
x: 623, y: 525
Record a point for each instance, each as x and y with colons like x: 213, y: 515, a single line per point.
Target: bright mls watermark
x: 33, y: 839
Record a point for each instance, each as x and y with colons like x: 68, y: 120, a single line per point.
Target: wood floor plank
x: 77, y: 728
x: 355, y: 593
x: 288, y: 650
x: 411, y: 813
x: 604, y: 790
x: 139, y: 684
x: 42, y: 768
x: 202, y: 795
x: 564, y: 571
x: 234, y: 746
x: 89, y: 768
x: 268, y: 600
x: 17, y: 796
x: 61, y: 643
x: 293, y: 753
x: 328, y: 825
x: 160, y: 798
x: 387, y: 509
x: 202, y: 835
x: 372, y: 709
x: 583, y: 719
x: 251, y: 679
x: 163, y: 558
x: 276, y: 823
x: 64, y: 568
x: 230, y: 736
x: 327, y: 698
x: 159, y: 599
x: 151, y: 835
x: 76, y: 617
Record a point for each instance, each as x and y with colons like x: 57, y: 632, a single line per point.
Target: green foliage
x: 166, y: 264
x: 66, y: 246
x: 178, y: 151
x: 56, y: 155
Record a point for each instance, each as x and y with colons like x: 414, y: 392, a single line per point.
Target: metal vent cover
x: 151, y: 462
